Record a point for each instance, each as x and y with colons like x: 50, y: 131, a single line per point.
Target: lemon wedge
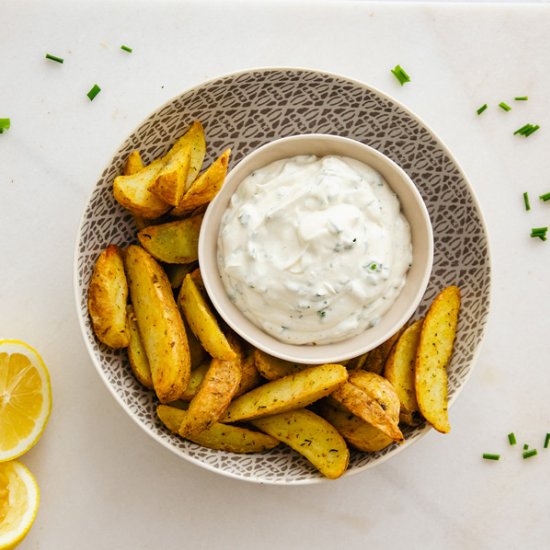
x: 25, y: 398
x: 19, y: 498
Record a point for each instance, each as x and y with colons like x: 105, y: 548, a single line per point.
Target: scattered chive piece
x: 126, y: 48
x: 4, y: 124
x: 401, y: 75
x: 539, y: 232
x: 545, y: 197
x: 512, y: 438
x: 93, y: 92
x: 481, y: 109
x: 529, y: 454
x: 489, y: 456
x: 521, y: 98
x: 54, y: 58
x: 504, y: 106
x: 527, y: 130
x: 546, y: 441
x: 526, y: 201
x: 525, y: 447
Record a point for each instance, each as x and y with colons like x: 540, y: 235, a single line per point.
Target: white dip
x: 314, y: 250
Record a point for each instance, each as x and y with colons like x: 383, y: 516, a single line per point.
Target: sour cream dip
x: 314, y: 250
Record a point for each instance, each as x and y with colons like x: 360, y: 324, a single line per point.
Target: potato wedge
x: 195, y: 380
x: 107, y: 296
x: 221, y: 437
x: 160, y: 324
x: 376, y: 358
x: 290, y: 392
x: 177, y: 272
x: 400, y: 370
x: 435, y: 348
x: 356, y: 432
x: 195, y: 141
x: 250, y: 377
x: 202, y: 321
x: 134, y: 163
x: 169, y: 184
x: 205, y: 187
x: 311, y: 436
x: 137, y: 356
x: 174, y: 242
x: 272, y: 368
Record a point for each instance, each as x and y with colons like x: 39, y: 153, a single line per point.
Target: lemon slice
x: 25, y: 398
x: 19, y: 498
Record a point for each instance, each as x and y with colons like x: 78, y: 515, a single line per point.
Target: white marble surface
x: 105, y: 484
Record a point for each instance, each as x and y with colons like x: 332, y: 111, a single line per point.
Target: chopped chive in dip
x: 481, y: 109
x: 54, y: 58
x: 529, y: 454
x: 5, y: 124
x: 489, y: 456
x: 512, y: 438
x: 539, y: 232
x: 526, y: 201
x: 93, y: 92
x: 546, y: 441
x: 545, y: 197
x: 527, y: 130
x: 504, y: 106
x: 400, y: 74
x: 521, y: 98
x: 126, y: 48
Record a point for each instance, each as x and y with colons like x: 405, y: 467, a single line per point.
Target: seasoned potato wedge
x: 174, y: 242
x: 205, y: 187
x: 400, y: 370
x: 376, y: 358
x: 311, y: 436
x: 136, y: 352
x: 202, y: 321
x: 221, y: 437
x: 107, y: 296
x: 160, y: 324
x: 435, y: 348
x: 195, y: 381
x: 169, y: 184
x: 290, y: 392
x: 272, y: 368
x: 133, y: 163
x: 194, y: 140
x: 250, y: 377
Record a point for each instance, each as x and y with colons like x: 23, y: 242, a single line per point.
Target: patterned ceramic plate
x: 244, y: 111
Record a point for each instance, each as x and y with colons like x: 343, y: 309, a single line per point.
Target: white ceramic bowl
x: 412, y: 206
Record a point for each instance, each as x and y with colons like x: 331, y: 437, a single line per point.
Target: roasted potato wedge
x: 174, y: 242
x: 221, y: 437
x: 376, y: 358
x: 107, y: 297
x: 290, y: 392
x: 435, y: 348
x: 202, y: 321
x: 311, y: 436
x: 194, y: 140
x: 272, y: 368
x: 134, y: 163
x: 400, y: 370
x: 250, y: 377
x: 195, y: 381
x: 205, y: 187
x: 169, y: 184
x: 160, y: 324
x: 137, y: 356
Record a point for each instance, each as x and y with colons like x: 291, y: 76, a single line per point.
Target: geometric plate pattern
x: 251, y: 108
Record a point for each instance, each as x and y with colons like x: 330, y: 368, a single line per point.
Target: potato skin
x: 160, y: 324
x: 107, y: 297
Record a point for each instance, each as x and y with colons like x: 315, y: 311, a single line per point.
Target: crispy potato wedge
x: 107, y: 296
x: 202, y: 321
x: 136, y: 352
x: 435, y: 348
x: 169, y: 184
x: 356, y: 432
x: 133, y: 193
x: 160, y: 324
x: 177, y: 272
x: 376, y: 358
x: 311, y: 436
x: 250, y: 377
x: 221, y: 437
x: 134, y: 163
x: 400, y: 370
x: 174, y: 242
x: 194, y: 140
x: 205, y: 187
x: 373, y: 399
x: 290, y: 392
x: 272, y: 368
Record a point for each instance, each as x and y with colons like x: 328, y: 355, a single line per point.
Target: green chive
x: 481, y: 109
x: 54, y: 58
x: 539, y: 232
x: 5, y: 124
x: 504, y: 106
x: 545, y: 197
x: 525, y: 447
x: 489, y: 456
x: 526, y: 201
x: 126, y: 48
x: 512, y: 438
x: 93, y: 92
x: 529, y: 454
x: 546, y: 441
x: 527, y: 130
x: 400, y: 74
x: 521, y: 98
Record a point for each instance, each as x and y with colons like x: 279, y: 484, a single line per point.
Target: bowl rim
x: 78, y: 291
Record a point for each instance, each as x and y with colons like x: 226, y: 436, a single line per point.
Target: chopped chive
x: 5, y: 124
x: 521, y: 98
x: 539, y: 232
x: 545, y: 197
x: 525, y: 447
x: 481, y: 109
x: 54, y: 58
x: 400, y: 74
x: 93, y: 92
x: 529, y: 454
x: 527, y: 130
x: 546, y: 441
x: 489, y: 456
x: 526, y: 201
x: 126, y: 48
x: 512, y: 438
x: 504, y: 106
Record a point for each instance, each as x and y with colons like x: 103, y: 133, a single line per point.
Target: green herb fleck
x: 126, y: 48
x: 489, y: 456
x: 322, y: 313
x: 54, y: 58
x: 529, y: 454
x: 521, y: 98
x: 505, y: 106
x: 5, y: 124
x: 539, y: 232
x: 527, y: 130
x: 546, y: 441
x: 482, y: 108
x: 525, y: 447
x: 93, y: 92
x: 512, y: 438
x: 545, y: 197
x: 400, y: 74
x: 526, y: 201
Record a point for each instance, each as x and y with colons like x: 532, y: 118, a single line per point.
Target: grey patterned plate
x: 244, y: 111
